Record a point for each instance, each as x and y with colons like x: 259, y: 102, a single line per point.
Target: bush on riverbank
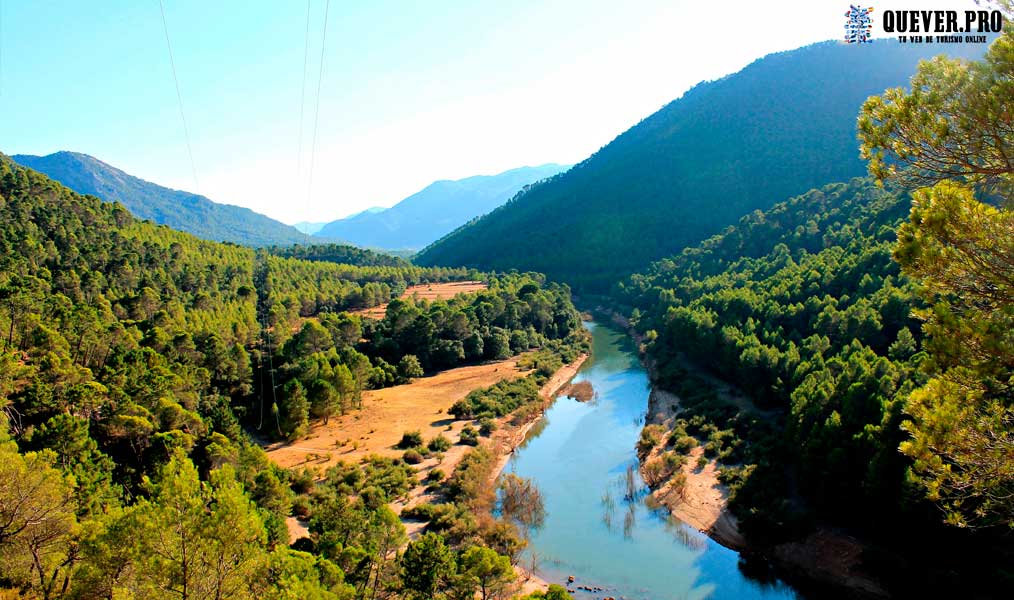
x: 744, y: 445
x: 555, y: 592
x: 499, y: 399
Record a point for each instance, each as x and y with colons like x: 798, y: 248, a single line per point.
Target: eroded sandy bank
x: 702, y: 502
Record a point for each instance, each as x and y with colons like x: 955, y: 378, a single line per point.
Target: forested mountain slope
x: 781, y: 126
x: 339, y: 253
x: 178, y: 209
x: 134, y: 360
x: 803, y: 307
x: 434, y: 211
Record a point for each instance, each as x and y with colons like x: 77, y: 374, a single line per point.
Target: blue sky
x: 411, y: 92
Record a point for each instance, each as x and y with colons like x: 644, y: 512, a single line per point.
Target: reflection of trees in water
x: 608, y: 509
x: 634, y: 491
x: 686, y: 536
x: 533, y: 562
x: 520, y: 502
x: 537, y: 429
x: 533, y: 433
x: 632, y: 494
x: 758, y: 570
x: 631, y: 484
x: 629, y: 521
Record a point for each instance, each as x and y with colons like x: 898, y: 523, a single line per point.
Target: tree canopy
x: 135, y: 362
x: 952, y: 135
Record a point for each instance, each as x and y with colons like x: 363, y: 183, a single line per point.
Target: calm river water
x: 579, y: 457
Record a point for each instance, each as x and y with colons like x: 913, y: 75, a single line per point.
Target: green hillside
x: 338, y: 253
x: 781, y: 126
x: 805, y: 310
x: 803, y: 306
x: 135, y: 363
x: 180, y: 210
x: 876, y: 351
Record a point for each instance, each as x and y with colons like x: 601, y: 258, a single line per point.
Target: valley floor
x: 420, y: 405
x: 387, y: 413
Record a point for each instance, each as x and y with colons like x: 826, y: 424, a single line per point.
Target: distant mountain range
x: 178, y: 209
x: 308, y: 227
x: 783, y: 125
x: 434, y: 211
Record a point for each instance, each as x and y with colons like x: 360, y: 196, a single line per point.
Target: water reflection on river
x: 601, y: 524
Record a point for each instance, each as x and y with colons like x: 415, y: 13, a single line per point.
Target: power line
x: 1, y: 48
x: 302, y: 90
x: 302, y: 104
x: 316, y: 110
x: 260, y: 371
x: 179, y: 97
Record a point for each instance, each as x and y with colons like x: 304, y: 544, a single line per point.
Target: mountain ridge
x: 691, y: 168
x: 179, y: 209
x: 436, y: 210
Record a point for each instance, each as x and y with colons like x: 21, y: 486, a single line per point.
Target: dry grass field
x: 386, y: 414
x: 417, y: 406
x: 434, y: 291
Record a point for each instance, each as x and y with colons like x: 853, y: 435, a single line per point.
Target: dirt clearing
x: 429, y: 292
x: 388, y: 413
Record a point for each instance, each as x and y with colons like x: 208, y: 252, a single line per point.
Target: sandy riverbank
x: 827, y: 558
x: 702, y: 503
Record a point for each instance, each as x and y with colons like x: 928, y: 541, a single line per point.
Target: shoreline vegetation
x: 325, y: 444
x: 511, y: 432
x: 140, y: 367
x: 825, y: 558
x: 696, y: 497
x: 700, y: 500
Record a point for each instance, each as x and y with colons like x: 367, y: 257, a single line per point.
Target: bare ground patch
x: 702, y: 502
x: 429, y: 292
x: 388, y: 413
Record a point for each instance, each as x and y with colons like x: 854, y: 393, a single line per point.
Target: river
x: 579, y: 457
